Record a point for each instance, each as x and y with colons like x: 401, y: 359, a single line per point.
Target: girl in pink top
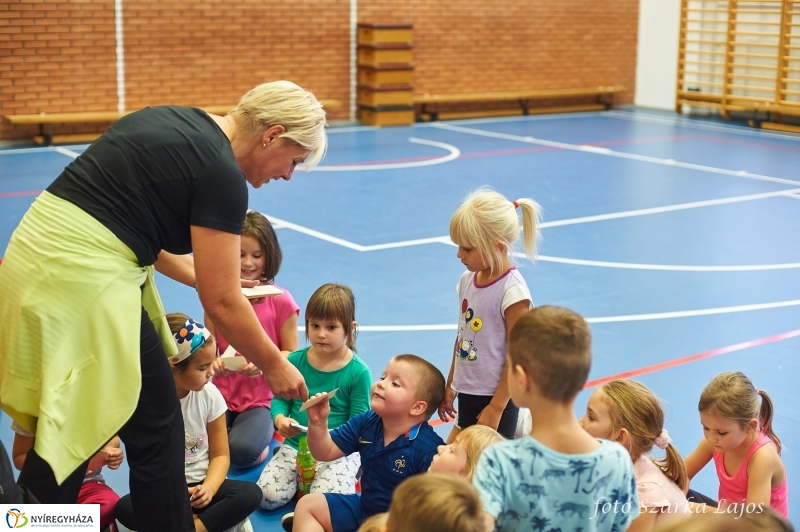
x: 745, y: 449
x: 246, y: 392
x: 627, y: 412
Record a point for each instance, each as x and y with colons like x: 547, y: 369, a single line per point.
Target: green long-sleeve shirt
x: 353, y: 380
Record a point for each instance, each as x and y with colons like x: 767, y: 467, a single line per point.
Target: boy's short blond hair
x: 554, y: 346
x: 436, y: 502
x: 430, y: 383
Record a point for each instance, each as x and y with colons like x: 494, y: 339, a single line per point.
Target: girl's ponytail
x: 765, y: 415
x: 531, y: 232
x: 673, y: 467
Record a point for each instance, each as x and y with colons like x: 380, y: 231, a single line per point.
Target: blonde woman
x: 84, y: 347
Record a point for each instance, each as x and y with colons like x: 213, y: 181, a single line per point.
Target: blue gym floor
x: 674, y: 236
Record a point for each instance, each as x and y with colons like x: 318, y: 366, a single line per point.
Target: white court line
x: 278, y: 224
x: 696, y: 124
x: 664, y: 267
x: 668, y: 208
x: 455, y: 153
x: 612, y: 153
x: 19, y: 151
x: 602, y: 319
x: 64, y: 151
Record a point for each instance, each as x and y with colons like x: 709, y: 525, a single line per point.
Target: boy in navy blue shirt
x: 393, y: 438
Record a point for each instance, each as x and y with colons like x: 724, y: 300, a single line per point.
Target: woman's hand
x: 200, y: 496
x: 286, y: 381
x: 447, y: 409
x: 283, y: 424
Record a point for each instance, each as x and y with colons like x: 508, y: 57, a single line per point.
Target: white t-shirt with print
x: 199, y: 409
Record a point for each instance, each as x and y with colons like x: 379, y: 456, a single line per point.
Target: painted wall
x: 657, y: 53
x: 59, y: 55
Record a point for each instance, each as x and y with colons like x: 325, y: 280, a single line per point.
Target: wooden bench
x: 429, y: 104
x: 46, y: 121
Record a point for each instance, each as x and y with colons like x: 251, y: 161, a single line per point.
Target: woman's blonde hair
x: 282, y: 103
x: 486, y: 217
x: 334, y: 302
x: 632, y: 406
x: 436, y: 502
x: 732, y: 395
x: 475, y: 440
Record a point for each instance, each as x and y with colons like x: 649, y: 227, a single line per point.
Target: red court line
x: 680, y: 361
x: 19, y: 193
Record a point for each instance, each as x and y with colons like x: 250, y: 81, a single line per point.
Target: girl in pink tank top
x: 739, y: 438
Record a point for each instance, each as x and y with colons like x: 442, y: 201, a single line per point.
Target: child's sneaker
x: 287, y: 521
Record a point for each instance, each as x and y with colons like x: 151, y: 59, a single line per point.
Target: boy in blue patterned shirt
x: 559, y: 477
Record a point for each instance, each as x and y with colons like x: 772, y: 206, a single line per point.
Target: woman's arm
x: 219, y: 461
x: 699, y: 458
x: 289, y: 339
x: 217, y: 268
x: 177, y: 267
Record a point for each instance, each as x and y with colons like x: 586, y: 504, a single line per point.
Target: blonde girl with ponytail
x: 629, y: 413
x: 492, y: 296
x: 739, y: 437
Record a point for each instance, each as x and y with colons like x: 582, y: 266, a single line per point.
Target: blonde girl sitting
x: 492, y: 295
x: 627, y: 412
x: 461, y: 456
x: 740, y: 439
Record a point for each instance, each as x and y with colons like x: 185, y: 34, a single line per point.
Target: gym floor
x: 672, y: 235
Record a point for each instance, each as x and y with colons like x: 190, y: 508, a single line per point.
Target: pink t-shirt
x: 240, y: 391
x: 657, y: 493
x: 733, y: 488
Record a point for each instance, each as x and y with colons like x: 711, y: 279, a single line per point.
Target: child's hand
x: 114, y: 457
x: 250, y: 370
x: 200, y: 496
x: 490, y: 417
x: 219, y: 367
x: 447, y: 409
x: 283, y: 424
x: 319, y: 413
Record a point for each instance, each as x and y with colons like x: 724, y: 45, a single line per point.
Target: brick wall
x: 59, y: 55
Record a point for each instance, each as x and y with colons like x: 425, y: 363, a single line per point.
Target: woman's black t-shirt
x: 152, y: 175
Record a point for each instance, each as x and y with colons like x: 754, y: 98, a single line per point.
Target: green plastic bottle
x: 306, y: 468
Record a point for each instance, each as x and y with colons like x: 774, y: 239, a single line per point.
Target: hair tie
x: 663, y: 439
x: 515, y: 204
x: 190, y: 338
x: 757, y: 390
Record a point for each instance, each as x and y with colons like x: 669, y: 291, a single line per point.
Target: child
x: 493, y: 296
x: 627, y: 412
x: 246, y: 392
x: 94, y: 489
x: 217, y: 503
x: 435, y: 502
x: 461, y: 456
x: 330, y: 362
x: 393, y: 439
x: 740, y: 438
x: 559, y: 475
